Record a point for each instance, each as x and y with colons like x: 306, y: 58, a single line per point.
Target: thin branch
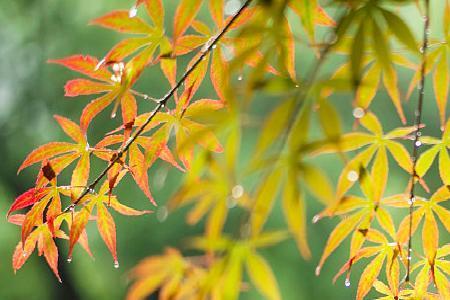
x: 417, y: 143
x: 209, y: 46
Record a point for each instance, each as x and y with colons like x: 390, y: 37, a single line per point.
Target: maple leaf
x: 384, y: 251
x: 359, y: 214
x: 425, y: 210
x: 42, y: 237
x: 77, y: 221
x: 434, y: 270
x: 226, y: 271
x: 438, y: 148
x: 175, y: 276
x: 116, y: 87
x: 369, y: 19
x: 377, y: 142
x: 138, y: 162
x: 60, y: 154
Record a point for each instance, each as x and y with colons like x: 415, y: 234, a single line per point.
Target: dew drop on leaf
x: 358, y: 112
x: 69, y: 259
x: 240, y: 78
x: 317, y: 272
x: 116, y: 264
x: 24, y: 254
x: 418, y: 144
x: 316, y: 219
x: 132, y: 12
x: 352, y: 175
x: 100, y: 63
x: 237, y: 191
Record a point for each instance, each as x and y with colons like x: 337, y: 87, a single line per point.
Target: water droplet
x: 347, y: 282
x: 69, y: 259
x: 358, y: 112
x: 421, y: 50
x: 214, y: 46
x: 162, y: 214
x: 240, y: 78
x: 237, y: 191
x: 116, y: 67
x: 132, y: 12
x: 100, y: 63
x: 116, y: 264
x: 113, y: 115
x: 91, y: 190
x: 409, y: 257
x: 418, y: 143
x: 315, y: 219
x: 72, y: 208
x: 297, y: 86
x: 418, y: 133
x: 25, y: 253
x: 412, y: 200
x: 232, y: 7
x: 87, y: 147
x: 352, y: 176
x: 317, y: 272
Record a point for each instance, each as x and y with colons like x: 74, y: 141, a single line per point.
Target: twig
x: 417, y: 143
x: 210, y: 45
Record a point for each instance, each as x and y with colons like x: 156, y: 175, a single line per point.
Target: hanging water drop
x: 315, y: 219
x: 91, y: 190
x: 25, y: 253
x: 240, y: 78
x: 358, y: 112
x: 113, y: 115
x: 317, y: 272
x: 132, y: 12
x: 69, y: 259
x: 237, y: 191
x: 214, y: 46
x: 418, y: 143
x: 347, y: 282
x: 100, y: 63
x: 116, y: 264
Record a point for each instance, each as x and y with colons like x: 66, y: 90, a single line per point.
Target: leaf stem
x: 417, y: 143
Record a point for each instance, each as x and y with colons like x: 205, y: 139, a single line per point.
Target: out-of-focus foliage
x: 201, y: 136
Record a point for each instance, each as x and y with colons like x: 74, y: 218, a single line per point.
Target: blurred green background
x: 31, y: 91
